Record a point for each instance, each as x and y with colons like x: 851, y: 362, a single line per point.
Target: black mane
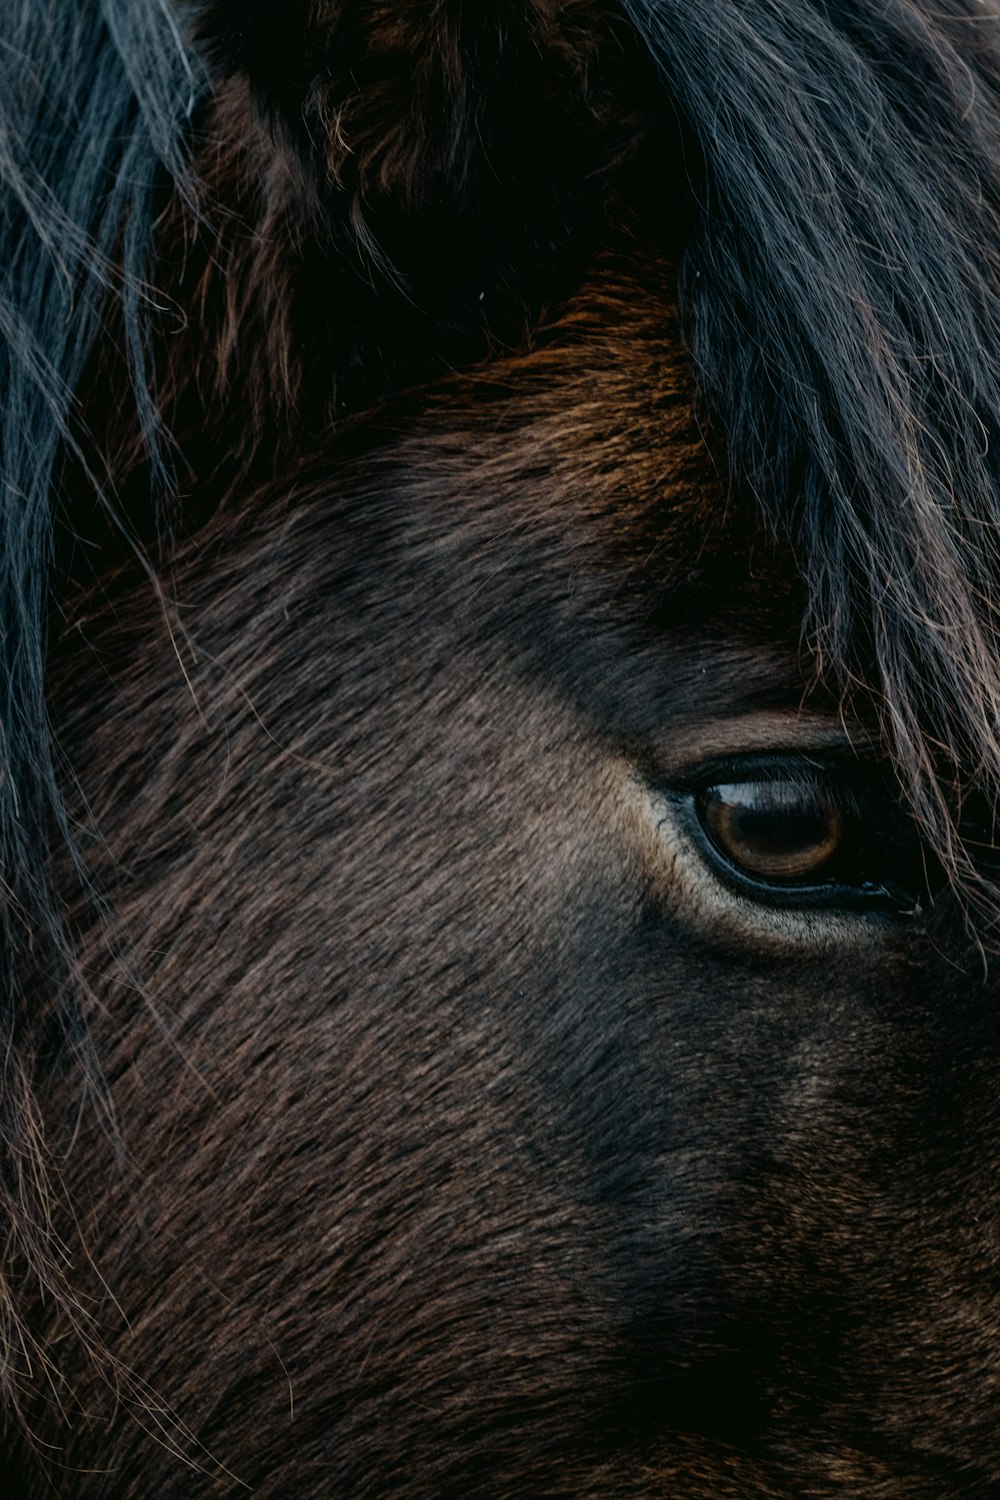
x: 95, y: 101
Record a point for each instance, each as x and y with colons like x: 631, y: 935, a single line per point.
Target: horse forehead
x: 591, y: 435
x: 584, y: 472
x: 564, y: 491
x: 606, y: 376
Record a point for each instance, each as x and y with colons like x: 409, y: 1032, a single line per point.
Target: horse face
x: 488, y: 1130
x: 477, y: 1017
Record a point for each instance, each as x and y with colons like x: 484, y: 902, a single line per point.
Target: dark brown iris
x: 782, y: 832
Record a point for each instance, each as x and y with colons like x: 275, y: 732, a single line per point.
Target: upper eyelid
x: 827, y: 786
x: 773, y: 767
x: 692, y: 746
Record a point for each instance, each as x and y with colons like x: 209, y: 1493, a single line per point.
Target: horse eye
x: 796, y: 833
x: 780, y: 832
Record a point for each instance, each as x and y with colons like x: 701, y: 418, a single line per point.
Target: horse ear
x: 449, y: 112
x: 406, y: 100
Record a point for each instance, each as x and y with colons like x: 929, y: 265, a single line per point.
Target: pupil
x: 779, y: 832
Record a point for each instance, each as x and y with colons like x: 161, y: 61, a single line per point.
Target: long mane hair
x: 836, y: 183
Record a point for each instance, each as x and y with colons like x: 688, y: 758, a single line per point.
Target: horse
x: 499, y: 521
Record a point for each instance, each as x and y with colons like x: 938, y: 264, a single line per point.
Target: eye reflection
x: 782, y: 832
